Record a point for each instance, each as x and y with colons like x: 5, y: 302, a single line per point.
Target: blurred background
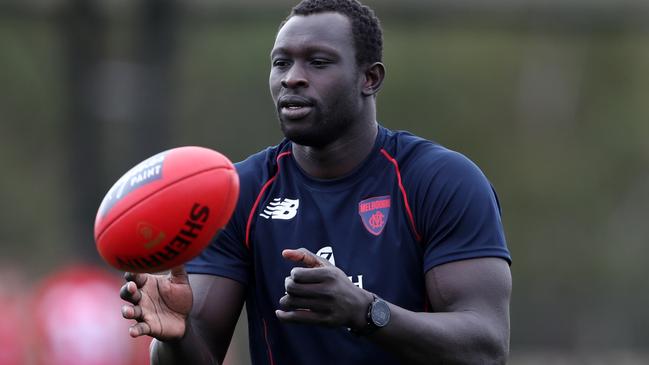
x: 549, y: 97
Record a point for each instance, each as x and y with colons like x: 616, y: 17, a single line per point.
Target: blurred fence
x: 548, y: 97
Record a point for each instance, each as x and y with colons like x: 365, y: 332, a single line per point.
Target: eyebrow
x: 310, y: 49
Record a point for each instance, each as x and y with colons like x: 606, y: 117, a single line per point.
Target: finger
x: 178, y: 275
x: 139, y: 329
x: 132, y: 312
x: 304, y: 257
x: 130, y: 293
x: 138, y: 278
x: 309, y: 290
x: 312, y: 275
x: 301, y: 316
x: 289, y: 302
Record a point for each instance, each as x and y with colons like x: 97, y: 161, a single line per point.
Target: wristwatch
x: 378, y: 316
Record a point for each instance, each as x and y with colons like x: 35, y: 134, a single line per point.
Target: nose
x: 294, y: 78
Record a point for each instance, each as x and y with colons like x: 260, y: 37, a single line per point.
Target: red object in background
x: 78, y: 321
x: 13, y: 323
x: 165, y: 210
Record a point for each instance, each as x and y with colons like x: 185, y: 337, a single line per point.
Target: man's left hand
x: 320, y: 293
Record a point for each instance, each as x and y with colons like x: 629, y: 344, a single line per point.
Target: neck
x: 339, y: 157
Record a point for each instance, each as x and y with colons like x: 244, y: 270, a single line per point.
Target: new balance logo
x: 281, y: 209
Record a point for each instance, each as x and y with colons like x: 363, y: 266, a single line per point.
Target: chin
x: 303, y: 139
x: 302, y: 135
x: 313, y: 131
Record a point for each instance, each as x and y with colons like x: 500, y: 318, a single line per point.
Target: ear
x: 374, y: 75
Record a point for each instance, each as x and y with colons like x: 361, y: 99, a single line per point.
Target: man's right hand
x: 160, y: 304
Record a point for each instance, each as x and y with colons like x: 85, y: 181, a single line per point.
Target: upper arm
x: 455, y: 208
x: 480, y: 286
x: 215, y: 311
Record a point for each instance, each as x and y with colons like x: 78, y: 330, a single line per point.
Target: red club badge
x: 374, y: 213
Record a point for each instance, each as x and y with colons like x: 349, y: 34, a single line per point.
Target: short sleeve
x: 225, y: 256
x: 228, y: 255
x: 457, y: 211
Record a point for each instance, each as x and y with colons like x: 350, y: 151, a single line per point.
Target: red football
x: 166, y: 209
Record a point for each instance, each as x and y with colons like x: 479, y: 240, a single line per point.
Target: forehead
x: 328, y: 30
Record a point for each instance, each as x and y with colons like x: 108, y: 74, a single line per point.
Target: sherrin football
x: 165, y: 210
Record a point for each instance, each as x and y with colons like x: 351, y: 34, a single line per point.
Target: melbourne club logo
x: 374, y: 213
x: 279, y: 208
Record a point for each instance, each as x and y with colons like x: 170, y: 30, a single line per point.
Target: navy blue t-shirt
x: 410, y: 206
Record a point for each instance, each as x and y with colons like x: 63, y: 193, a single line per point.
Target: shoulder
x: 455, y: 208
x: 424, y: 161
x: 261, y: 166
x: 255, y: 171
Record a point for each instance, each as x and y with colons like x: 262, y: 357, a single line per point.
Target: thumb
x: 304, y: 257
x: 178, y: 275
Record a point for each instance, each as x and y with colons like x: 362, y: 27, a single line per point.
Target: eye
x: 320, y: 62
x: 280, y: 62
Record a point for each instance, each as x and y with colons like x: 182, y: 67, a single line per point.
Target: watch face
x: 380, y: 313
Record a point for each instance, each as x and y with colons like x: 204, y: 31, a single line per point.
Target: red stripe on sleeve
x: 261, y: 194
x: 403, y: 192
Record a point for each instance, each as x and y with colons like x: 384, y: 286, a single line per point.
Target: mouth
x: 294, y: 107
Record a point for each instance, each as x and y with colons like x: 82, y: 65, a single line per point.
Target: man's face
x: 314, y: 79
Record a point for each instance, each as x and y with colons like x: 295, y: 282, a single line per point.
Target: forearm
x: 443, y: 338
x: 191, y: 349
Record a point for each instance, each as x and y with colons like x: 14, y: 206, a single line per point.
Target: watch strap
x: 370, y: 326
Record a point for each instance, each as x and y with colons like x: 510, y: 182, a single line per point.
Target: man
x: 350, y: 243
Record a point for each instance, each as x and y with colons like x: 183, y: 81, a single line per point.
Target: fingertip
x: 178, y: 275
x: 293, y: 255
x: 138, y: 278
x: 129, y: 276
x: 124, y: 311
x: 123, y: 292
x: 178, y: 271
x: 304, y: 257
x: 282, y: 302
